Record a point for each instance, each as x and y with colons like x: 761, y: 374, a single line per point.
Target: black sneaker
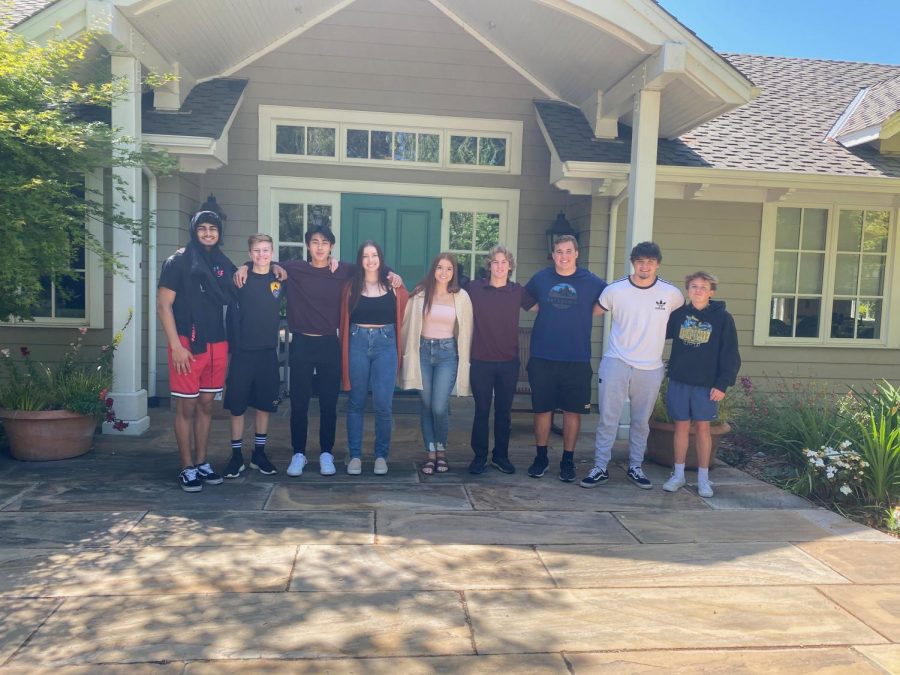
x: 235, y: 466
x: 503, y: 465
x: 261, y: 463
x: 477, y: 465
x: 538, y: 467
x: 189, y: 480
x: 636, y: 475
x: 207, y: 475
x: 595, y: 477
x: 567, y: 471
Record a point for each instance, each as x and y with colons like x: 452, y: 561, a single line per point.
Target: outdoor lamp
x: 211, y: 205
x: 559, y: 227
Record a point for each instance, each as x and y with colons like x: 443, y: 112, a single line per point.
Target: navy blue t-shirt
x: 562, y: 330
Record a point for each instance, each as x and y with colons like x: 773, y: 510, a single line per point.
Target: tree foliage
x: 46, y: 149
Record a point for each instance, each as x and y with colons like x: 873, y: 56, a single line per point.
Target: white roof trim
x: 860, y: 137
x: 842, y: 120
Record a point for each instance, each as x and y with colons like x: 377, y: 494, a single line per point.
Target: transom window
x: 412, y: 141
x: 823, y: 275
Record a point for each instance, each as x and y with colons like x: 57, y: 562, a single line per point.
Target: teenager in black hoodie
x: 704, y: 362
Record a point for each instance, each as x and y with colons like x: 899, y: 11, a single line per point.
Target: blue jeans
x: 439, y: 362
x: 373, y: 364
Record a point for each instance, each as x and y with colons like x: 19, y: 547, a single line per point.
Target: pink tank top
x: 439, y: 323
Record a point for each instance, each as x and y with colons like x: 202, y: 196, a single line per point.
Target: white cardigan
x: 411, y: 370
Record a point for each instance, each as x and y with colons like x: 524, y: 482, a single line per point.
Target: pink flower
x: 83, y: 330
x: 25, y: 351
x: 109, y: 403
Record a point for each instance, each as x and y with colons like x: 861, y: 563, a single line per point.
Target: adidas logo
x: 660, y: 304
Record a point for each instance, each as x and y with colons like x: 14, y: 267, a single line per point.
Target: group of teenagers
x: 355, y: 327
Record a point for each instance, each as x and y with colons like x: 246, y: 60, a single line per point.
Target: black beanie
x: 210, y: 217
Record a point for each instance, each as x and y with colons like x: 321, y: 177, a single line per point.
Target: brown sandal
x: 428, y: 467
x: 442, y: 466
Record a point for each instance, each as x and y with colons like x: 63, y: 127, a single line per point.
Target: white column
x: 642, y: 178
x: 129, y: 396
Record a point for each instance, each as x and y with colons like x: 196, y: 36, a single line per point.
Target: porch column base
x: 131, y: 407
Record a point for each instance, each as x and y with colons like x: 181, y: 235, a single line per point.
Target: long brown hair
x: 358, y: 280
x: 428, y: 283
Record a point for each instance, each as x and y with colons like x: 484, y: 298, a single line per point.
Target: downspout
x: 151, y: 287
x: 611, y: 251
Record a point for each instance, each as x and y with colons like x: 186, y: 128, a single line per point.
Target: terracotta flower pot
x: 661, y: 443
x: 47, y: 434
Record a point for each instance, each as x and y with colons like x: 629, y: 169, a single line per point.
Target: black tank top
x: 379, y: 311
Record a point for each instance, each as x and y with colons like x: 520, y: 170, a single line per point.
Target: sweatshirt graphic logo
x: 275, y: 287
x: 694, y: 332
x: 563, y: 296
x: 661, y: 305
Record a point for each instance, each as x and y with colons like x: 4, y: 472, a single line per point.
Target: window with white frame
x: 472, y: 234
x: 294, y: 213
x: 398, y: 140
x: 824, y: 275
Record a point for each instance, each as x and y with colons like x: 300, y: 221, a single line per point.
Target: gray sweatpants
x: 619, y: 381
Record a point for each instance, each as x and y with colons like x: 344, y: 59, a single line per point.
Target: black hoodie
x: 704, y: 346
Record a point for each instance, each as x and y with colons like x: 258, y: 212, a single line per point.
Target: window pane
x: 357, y: 143
x: 808, y: 312
x: 404, y: 146
x: 487, y: 230
x: 787, y: 228
x: 784, y: 277
x: 842, y: 322
x: 461, y: 230
x: 868, y: 321
x: 318, y: 214
x: 875, y: 236
x: 381, y: 144
x: 846, y: 274
x: 290, y: 222
x: 290, y: 253
x: 815, y: 223
x: 70, y: 297
x: 321, y: 142
x: 465, y: 264
x: 872, y: 279
x: 429, y: 148
x: 290, y: 140
x: 463, y: 149
x: 812, y: 266
x: 42, y: 307
x: 78, y: 262
x: 781, y: 318
x: 492, y: 152
x: 850, y: 230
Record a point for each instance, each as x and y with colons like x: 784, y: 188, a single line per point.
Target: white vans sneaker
x: 354, y: 466
x: 297, y: 464
x: 704, y: 489
x: 381, y: 467
x: 674, y: 484
x: 326, y: 464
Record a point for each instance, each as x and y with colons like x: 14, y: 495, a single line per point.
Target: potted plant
x: 52, y: 411
x: 661, y: 441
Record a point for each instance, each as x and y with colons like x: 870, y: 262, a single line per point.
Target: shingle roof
x: 782, y: 130
x: 878, y: 103
x: 204, y: 112
x: 21, y: 10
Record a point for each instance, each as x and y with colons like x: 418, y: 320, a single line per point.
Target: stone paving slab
x: 754, y: 497
x: 310, y: 496
x: 21, y: 617
x: 877, y: 606
x: 533, y: 664
x: 866, y: 562
x: 11, y: 491
x: 250, y: 626
x: 141, y: 496
x: 829, y: 661
x: 417, y: 567
x: 671, y: 527
x: 660, y: 618
x: 175, y: 668
x: 146, y: 571
x: 700, y: 565
x: 842, y: 528
x: 560, y: 496
x: 48, y: 529
x: 886, y: 656
x: 253, y: 528
x: 500, y: 528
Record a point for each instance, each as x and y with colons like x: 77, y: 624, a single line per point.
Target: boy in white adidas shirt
x: 632, y: 367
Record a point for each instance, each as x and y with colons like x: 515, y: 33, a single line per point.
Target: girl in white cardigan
x: 437, y: 337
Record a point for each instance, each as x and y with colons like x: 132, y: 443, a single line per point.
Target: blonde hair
x: 502, y: 250
x: 257, y: 238
x: 700, y: 274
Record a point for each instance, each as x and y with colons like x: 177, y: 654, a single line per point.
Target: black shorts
x: 560, y: 385
x: 253, y: 380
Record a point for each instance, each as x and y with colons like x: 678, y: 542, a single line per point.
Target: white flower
x: 5, y: 352
x: 819, y: 462
x: 845, y: 444
x: 846, y: 489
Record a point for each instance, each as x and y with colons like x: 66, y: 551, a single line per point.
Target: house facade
x: 434, y: 125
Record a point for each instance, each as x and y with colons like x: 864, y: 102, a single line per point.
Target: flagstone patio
x: 106, y: 564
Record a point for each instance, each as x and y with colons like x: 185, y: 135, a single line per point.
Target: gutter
x: 611, y: 251
x: 151, y: 288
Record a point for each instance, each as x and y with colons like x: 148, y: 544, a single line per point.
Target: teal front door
x: 407, y: 228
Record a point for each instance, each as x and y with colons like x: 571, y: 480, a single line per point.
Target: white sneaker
x: 705, y: 490
x: 326, y: 464
x: 297, y: 463
x: 354, y: 466
x: 381, y: 467
x: 674, y: 484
